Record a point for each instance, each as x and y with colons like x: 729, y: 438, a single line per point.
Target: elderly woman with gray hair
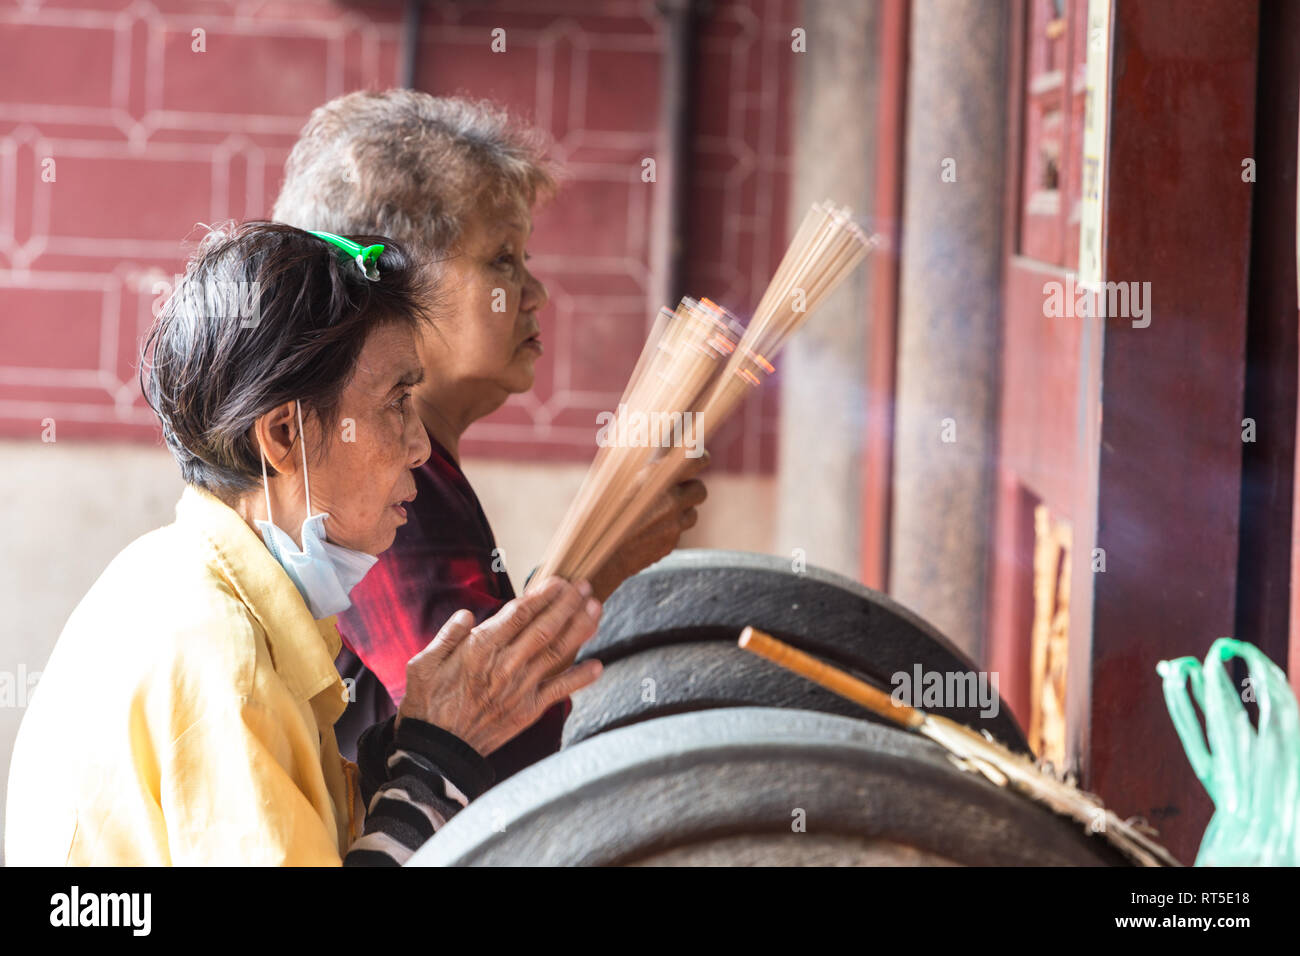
x: 186, y: 714
x: 457, y: 182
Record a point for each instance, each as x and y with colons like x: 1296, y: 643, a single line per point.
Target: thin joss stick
x: 696, y: 365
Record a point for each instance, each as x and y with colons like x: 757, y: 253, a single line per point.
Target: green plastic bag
x: 1252, y: 776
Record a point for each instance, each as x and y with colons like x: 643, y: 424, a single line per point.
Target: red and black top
x: 444, y: 558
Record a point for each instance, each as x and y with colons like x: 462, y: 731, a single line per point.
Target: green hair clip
x: 366, y: 257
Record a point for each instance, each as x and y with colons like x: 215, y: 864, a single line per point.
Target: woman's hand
x: 488, y: 683
x: 658, y: 535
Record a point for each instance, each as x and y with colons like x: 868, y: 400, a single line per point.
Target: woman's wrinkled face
x: 363, y: 478
x: 487, y: 334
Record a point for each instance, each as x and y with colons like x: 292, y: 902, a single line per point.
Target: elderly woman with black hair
x: 186, y: 714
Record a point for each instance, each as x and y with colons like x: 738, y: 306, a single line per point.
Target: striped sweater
x: 412, y: 780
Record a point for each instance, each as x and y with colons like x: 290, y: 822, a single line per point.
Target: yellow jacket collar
x: 302, y: 649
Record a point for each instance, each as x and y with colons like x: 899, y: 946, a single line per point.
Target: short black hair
x: 265, y: 314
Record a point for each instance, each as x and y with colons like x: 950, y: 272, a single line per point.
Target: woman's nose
x: 535, y: 295
x: 417, y: 441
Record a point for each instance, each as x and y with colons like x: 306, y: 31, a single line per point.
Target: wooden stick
x: 832, y: 678
x: 972, y: 751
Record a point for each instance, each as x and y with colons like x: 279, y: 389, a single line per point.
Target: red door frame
x: 1166, y: 488
x: 1265, y: 571
x: 882, y: 306
x: 1039, y: 450
x: 1133, y: 435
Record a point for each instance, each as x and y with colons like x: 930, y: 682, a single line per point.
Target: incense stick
x: 973, y: 751
x: 697, y: 364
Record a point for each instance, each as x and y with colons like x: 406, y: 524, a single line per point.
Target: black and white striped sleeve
x: 412, y: 782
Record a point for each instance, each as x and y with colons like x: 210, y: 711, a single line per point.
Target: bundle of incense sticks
x: 697, y: 366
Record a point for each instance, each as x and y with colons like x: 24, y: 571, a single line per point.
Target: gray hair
x: 405, y: 164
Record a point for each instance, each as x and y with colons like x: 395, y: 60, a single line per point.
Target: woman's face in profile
x: 364, y: 476
x: 487, y: 335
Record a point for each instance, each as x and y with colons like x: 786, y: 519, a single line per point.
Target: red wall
x: 149, y: 138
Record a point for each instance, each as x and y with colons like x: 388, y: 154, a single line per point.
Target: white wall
x: 65, y: 510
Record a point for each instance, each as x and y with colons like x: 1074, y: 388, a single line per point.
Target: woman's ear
x: 276, y: 432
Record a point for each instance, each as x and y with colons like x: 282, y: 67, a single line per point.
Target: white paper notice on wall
x: 1096, y: 120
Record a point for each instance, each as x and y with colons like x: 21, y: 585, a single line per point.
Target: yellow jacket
x: 186, y: 714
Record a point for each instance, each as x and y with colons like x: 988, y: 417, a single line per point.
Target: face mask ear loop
x: 301, y: 438
x: 265, y: 487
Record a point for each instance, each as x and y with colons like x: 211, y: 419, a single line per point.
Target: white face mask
x: 324, y: 573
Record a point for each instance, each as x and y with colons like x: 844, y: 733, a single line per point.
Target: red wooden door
x: 1128, y: 433
x: 1038, y: 458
